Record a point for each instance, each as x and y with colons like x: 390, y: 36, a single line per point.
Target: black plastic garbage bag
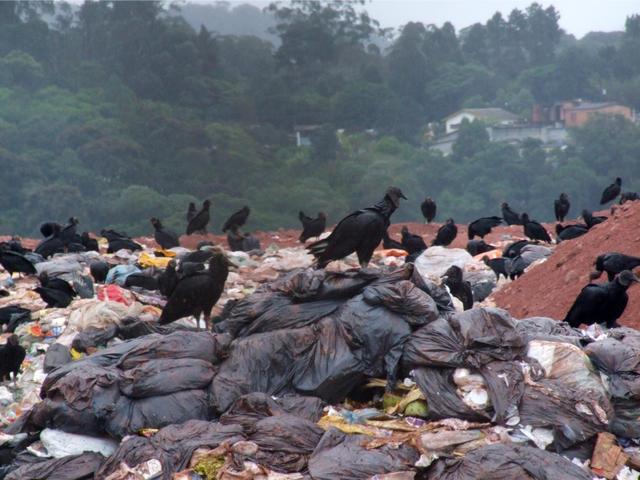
x: 172, y: 446
x: 346, y: 457
x: 285, y: 442
x: 56, y: 356
x: 507, y: 462
x: 75, y: 467
x: 250, y: 409
x: 93, y: 337
x: 543, y: 328
x: 131, y: 327
x: 440, y: 391
x: 619, y: 361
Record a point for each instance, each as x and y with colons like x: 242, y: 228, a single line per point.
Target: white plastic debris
x: 62, y: 444
x: 6, y: 397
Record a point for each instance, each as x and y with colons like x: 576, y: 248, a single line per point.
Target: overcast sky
x: 576, y: 16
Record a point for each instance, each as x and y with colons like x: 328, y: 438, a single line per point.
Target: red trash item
x: 114, y: 293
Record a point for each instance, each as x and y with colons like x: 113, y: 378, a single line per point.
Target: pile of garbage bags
x: 351, y: 374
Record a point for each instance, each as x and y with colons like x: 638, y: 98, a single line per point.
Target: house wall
x: 547, y: 134
x: 577, y: 118
x: 454, y: 122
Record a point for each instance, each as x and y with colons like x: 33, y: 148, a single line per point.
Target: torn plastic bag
x: 467, y: 339
x: 59, y: 444
x: 56, y: 356
x: 249, y: 409
x: 505, y: 385
x: 437, y: 292
x: 164, y: 376
x: 440, y: 391
x: 574, y: 415
x: 76, y: 467
x: 285, y: 442
x: 343, y: 456
x: 619, y: 361
x: 542, y: 328
x: 507, y: 462
x: 173, y: 446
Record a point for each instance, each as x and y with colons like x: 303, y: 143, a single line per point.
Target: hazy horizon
x: 577, y: 17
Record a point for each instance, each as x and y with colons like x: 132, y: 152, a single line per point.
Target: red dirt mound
x: 549, y: 289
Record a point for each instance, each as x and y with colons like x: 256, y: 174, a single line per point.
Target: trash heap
x: 314, y: 374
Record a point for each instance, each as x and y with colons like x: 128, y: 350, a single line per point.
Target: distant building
x: 303, y: 134
x: 577, y: 112
x: 490, y: 116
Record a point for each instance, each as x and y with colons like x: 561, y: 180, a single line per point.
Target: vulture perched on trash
x: 198, y: 224
x: 198, y: 293
x: 602, y: 303
x: 15, y: 262
x: 56, y: 284
x: 47, y: 228
x: 629, y: 197
x: 388, y: 242
x: 411, y: 242
x: 534, y: 230
x: 482, y: 226
x: 428, y: 208
x: 312, y: 227
x: 90, y: 244
x: 51, y: 244
x: 53, y: 297
x: 590, y: 220
x: 447, y: 233
x: 500, y: 266
x: 613, y: 263
x: 476, y: 247
x: 168, y: 279
x: 611, y: 192
x: 459, y: 288
x: 11, y: 357
x: 165, y: 238
x: 510, y: 217
x: 237, y: 220
x: 561, y: 207
x: 359, y: 232
x: 68, y: 233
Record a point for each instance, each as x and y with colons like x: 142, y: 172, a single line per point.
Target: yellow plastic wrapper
x: 146, y: 260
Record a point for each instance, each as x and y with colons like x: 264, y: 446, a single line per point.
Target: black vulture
x: 198, y: 224
x: 482, y: 226
x: 168, y: 279
x: 189, y: 268
x: 197, y: 256
x: 510, y: 217
x: 11, y: 357
x: 68, y: 233
x: 476, y: 247
x: 54, y: 298
x: 534, y: 230
x: 388, y: 242
x: 99, y: 271
x: 52, y: 244
x: 359, y: 232
x: 447, y: 233
x: 16, y: 262
x: 250, y: 243
x: 142, y: 280
x: 513, y: 249
x: 500, y: 266
x: 90, y: 244
x: 629, y: 197
x: 601, y: 303
x: 561, y: 207
x: 113, y: 235
x: 611, y: 192
x: 312, y: 227
x: 47, y: 228
x: 411, y: 242
x: 15, y: 246
x: 590, y: 220
x: 613, y: 263
x: 238, y: 219
x: 123, y: 244
x: 569, y: 232
x: 459, y: 288
x: 428, y: 208
x: 13, y: 315
x: 197, y: 294
x: 165, y: 238
x: 56, y: 284
x: 191, y: 211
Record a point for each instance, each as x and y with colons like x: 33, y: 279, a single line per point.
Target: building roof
x: 490, y: 114
x: 593, y: 106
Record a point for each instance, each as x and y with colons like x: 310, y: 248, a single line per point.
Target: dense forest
x: 118, y: 111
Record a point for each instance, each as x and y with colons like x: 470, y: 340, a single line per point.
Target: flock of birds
x: 194, y: 283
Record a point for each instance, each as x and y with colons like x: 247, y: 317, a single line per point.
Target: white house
x: 490, y: 116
